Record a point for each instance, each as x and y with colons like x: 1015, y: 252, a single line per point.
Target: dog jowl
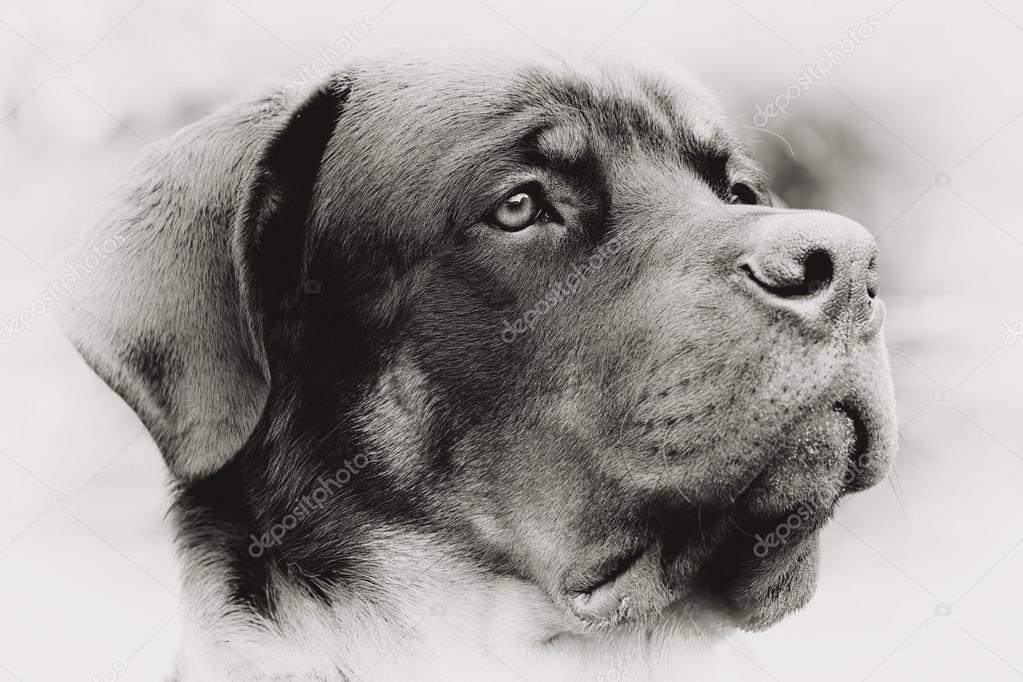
x: 605, y: 467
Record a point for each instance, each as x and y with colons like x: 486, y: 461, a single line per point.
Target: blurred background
x: 903, y: 114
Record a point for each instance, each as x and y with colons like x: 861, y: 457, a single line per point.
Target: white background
x: 917, y: 133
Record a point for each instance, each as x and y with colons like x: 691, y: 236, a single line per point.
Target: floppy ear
x: 194, y: 268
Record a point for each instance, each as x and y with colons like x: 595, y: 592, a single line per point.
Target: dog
x: 485, y: 368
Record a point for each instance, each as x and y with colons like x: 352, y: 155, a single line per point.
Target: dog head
x: 550, y: 313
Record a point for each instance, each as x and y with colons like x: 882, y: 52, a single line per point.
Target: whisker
x: 892, y: 480
x: 781, y: 137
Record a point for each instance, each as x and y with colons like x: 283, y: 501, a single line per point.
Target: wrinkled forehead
x: 478, y: 104
x: 629, y: 107
x: 434, y: 133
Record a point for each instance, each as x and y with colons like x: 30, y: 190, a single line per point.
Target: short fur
x: 407, y: 444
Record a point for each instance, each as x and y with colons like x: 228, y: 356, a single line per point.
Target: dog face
x: 550, y: 313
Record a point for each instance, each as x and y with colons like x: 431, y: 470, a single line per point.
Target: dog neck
x: 415, y: 611
x: 378, y: 602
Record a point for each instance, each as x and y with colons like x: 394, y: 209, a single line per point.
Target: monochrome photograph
x: 487, y: 340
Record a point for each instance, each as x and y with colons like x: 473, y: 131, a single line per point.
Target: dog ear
x: 269, y: 240
x: 195, y: 265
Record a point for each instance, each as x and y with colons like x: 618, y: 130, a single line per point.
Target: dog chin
x: 751, y: 594
x: 763, y: 593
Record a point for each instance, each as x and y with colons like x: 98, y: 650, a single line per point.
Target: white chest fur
x: 427, y: 618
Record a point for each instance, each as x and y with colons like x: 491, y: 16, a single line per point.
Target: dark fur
x: 285, y: 263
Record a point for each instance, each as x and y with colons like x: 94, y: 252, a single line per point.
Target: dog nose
x: 820, y: 266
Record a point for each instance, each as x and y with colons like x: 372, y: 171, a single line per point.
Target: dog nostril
x: 817, y: 271
x: 809, y: 278
x: 820, y: 269
x: 872, y: 278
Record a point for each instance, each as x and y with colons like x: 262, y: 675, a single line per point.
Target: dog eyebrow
x: 561, y: 145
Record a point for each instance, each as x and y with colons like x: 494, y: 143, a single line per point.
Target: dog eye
x: 741, y: 193
x: 517, y: 211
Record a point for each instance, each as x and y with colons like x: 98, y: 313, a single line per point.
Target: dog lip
x: 868, y: 445
x: 861, y: 437
x: 601, y: 595
x: 751, y: 591
x: 605, y: 573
